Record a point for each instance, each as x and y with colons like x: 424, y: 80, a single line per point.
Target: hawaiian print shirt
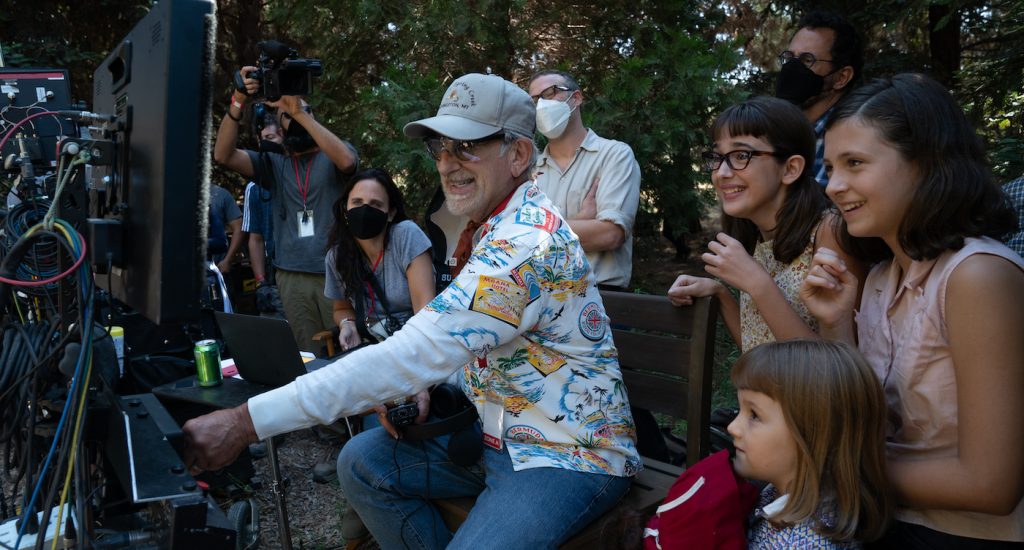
x: 527, y: 307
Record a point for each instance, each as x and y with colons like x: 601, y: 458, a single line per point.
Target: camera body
x: 281, y: 72
x: 404, y: 414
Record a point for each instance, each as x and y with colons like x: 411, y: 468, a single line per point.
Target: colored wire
x: 21, y: 122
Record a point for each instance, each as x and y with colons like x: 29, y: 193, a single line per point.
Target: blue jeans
x: 389, y: 483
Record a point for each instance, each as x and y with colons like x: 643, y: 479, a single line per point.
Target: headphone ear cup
x: 444, y: 403
x: 466, y: 446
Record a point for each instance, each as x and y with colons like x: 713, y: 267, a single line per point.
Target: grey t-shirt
x: 223, y: 205
x: 295, y: 252
x: 406, y: 242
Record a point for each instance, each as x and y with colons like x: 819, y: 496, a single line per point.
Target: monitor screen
x: 149, y: 195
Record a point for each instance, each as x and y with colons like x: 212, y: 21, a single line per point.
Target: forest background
x: 654, y: 73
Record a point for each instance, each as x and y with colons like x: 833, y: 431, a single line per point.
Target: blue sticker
x: 592, y: 322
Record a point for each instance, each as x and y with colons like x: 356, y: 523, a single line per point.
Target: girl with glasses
x: 774, y: 217
x: 941, y: 320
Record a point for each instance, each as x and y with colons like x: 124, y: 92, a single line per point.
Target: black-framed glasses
x: 737, y: 160
x: 550, y: 92
x: 807, y: 58
x: 464, y: 150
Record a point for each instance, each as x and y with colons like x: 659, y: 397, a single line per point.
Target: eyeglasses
x: 737, y: 160
x: 464, y: 150
x: 550, y: 92
x: 807, y: 58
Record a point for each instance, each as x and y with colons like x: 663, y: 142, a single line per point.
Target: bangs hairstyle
x: 956, y: 196
x: 787, y: 130
x: 350, y: 260
x: 834, y: 407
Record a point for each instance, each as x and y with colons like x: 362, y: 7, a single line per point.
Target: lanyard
x: 369, y: 287
x: 303, y: 189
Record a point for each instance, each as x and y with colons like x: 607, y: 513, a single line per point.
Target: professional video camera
x: 281, y: 72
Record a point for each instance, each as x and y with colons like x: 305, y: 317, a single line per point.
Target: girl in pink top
x: 941, y: 321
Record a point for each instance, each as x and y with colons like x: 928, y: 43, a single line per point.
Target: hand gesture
x: 687, y: 287
x: 291, y: 104
x: 251, y: 84
x: 422, y: 400
x: 588, y: 208
x: 348, y: 336
x: 728, y: 260
x: 829, y: 290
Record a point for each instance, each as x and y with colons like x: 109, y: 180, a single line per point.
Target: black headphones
x: 452, y: 413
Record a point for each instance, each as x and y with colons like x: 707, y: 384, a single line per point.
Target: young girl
x: 773, y: 216
x: 378, y: 262
x: 940, y: 322
x: 811, y: 425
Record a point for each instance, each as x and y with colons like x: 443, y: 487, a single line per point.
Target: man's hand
x: 588, y: 208
x: 215, y: 440
x: 291, y: 104
x: 224, y: 265
x: 422, y: 400
x: 251, y: 84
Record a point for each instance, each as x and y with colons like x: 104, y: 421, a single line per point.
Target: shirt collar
x: 590, y: 143
x: 774, y: 507
x: 819, y: 125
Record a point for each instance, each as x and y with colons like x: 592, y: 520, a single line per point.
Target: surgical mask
x: 297, y: 139
x: 366, y: 222
x: 797, y: 83
x: 553, y: 117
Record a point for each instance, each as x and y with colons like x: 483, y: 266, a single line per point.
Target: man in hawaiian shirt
x: 522, y: 330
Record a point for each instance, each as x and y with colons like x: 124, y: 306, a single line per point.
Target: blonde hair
x: 835, y: 409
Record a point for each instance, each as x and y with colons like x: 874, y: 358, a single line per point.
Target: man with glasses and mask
x: 303, y: 184
x: 821, y: 64
x: 521, y: 330
x: 594, y: 182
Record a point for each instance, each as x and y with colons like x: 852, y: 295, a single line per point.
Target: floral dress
x: 788, y: 277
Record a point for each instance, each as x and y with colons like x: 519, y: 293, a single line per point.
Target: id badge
x: 305, y: 220
x: 494, y: 421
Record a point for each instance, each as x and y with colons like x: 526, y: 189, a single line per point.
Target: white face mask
x: 553, y: 117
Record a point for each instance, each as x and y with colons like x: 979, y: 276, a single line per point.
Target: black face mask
x: 797, y: 83
x: 267, y: 146
x: 366, y: 222
x: 297, y: 139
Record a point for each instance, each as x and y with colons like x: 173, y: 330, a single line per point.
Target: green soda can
x: 207, y: 354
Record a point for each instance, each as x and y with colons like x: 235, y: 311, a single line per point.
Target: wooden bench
x: 666, y: 355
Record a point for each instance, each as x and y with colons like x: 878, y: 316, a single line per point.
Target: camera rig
x: 281, y: 72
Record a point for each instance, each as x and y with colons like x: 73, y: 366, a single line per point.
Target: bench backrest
x: 667, y: 357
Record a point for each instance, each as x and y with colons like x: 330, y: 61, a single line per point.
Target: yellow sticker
x: 501, y: 299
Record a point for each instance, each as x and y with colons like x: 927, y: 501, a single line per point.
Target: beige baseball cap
x: 476, y: 106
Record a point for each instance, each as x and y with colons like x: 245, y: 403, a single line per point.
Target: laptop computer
x: 264, y: 349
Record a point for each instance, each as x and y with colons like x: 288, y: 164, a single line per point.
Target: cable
x: 21, y: 122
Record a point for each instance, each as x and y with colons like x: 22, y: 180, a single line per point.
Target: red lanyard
x: 303, y: 189
x: 369, y: 287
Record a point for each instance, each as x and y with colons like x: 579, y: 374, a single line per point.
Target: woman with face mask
x: 379, y: 271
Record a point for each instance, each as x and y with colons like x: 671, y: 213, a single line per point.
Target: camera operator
x: 304, y: 183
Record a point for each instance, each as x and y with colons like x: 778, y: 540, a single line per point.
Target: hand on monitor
x: 215, y: 440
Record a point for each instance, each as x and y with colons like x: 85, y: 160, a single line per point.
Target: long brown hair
x: 787, y: 130
x: 835, y: 409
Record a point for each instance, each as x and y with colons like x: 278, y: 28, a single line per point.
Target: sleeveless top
x: 788, y: 277
x: 902, y: 332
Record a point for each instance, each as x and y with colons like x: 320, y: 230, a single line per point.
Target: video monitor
x: 149, y: 184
